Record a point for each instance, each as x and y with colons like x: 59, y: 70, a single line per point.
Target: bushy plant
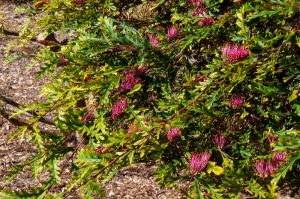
x: 206, y: 89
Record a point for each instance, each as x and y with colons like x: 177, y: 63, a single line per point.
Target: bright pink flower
x: 128, y: 82
x: 236, y: 102
x: 200, y: 12
x: 197, y: 3
x: 173, y: 32
x: 278, y: 158
x: 119, y: 107
x: 173, y: 134
x: 219, y: 140
x: 198, y: 162
x: 270, y: 168
x: 260, y: 166
x: 207, y: 21
x: 272, y: 139
x: 234, y: 52
x: 264, y: 168
x: 153, y: 40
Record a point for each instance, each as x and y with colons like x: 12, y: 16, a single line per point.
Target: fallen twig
x: 20, y: 122
x: 10, y: 101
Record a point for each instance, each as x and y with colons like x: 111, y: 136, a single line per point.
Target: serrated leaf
x: 55, y: 170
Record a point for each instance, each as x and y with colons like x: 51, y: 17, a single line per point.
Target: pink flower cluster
x: 201, y: 11
x: 206, y: 21
x: 219, y: 140
x: 130, y: 79
x: 128, y: 82
x: 173, y: 32
x: 266, y: 168
x: 236, y: 102
x: 119, y: 107
x: 173, y: 134
x: 196, y: 3
x: 234, y: 52
x: 198, y: 162
x: 153, y: 40
x: 278, y: 158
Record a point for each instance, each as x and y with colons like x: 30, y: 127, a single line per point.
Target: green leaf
x: 296, y: 107
x: 135, y: 89
x: 88, y: 157
x: 131, y: 156
x: 293, y: 96
x: 257, y: 189
x: 267, y: 90
x: 240, y: 24
x: 55, y: 171
x: 211, y: 167
x: 240, y: 16
x: 199, y: 192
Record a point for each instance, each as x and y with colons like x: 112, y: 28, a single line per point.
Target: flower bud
x: 173, y: 134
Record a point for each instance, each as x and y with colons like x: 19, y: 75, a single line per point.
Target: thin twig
x: 19, y: 122
x: 33, y: 113
x: 14, y: 33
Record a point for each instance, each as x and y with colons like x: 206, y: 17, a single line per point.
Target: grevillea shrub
x: 206, y: 89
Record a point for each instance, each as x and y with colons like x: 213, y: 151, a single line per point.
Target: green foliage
x: 192, y: 80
